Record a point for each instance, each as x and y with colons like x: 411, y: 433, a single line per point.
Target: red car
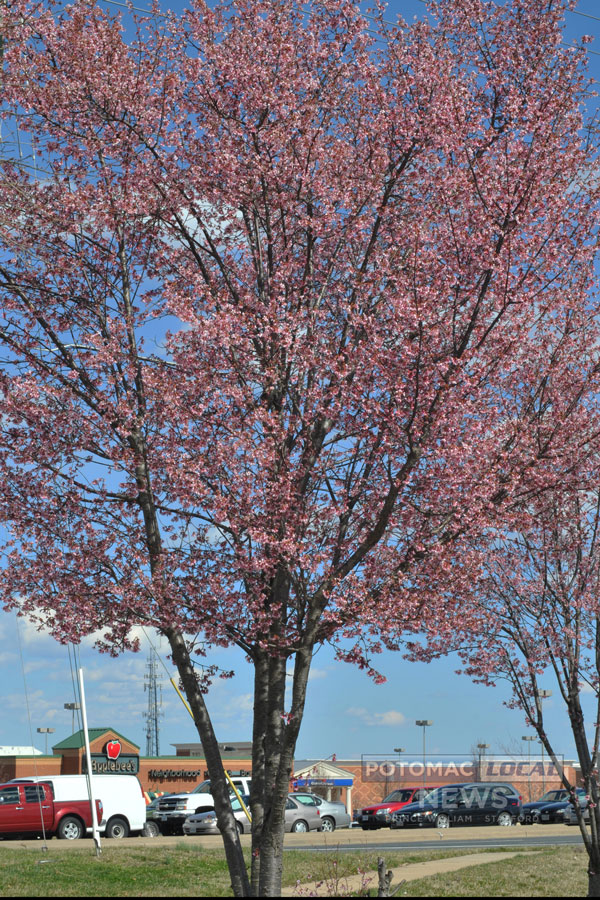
x: 380, y: 815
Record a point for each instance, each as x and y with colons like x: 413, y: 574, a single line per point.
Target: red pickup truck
x: 32, y: 809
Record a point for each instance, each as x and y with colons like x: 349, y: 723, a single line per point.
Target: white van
x: 122, y: 798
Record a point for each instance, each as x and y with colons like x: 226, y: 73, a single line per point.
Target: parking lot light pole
x: 482, y: 748
x: 424, y: 723
x: 72, y: 707
x: 543, y: 696
x: 46, y: 731
x: 529, y: 738
x: 399, y: 751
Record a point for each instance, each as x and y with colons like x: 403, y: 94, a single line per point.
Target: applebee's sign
x: 111, y: 762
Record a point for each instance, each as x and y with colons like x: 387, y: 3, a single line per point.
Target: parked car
x: 174, y: 809
x: 549, y: 808
x: 122, y: 797
x: 473, y: 803
x: 569, y: 814
x: 333, y: 812
x: 29, y: 809
x: 298, y: 817
x: 379, y: 815
x: 206, y: 822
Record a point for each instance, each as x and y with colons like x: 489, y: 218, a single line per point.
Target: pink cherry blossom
x: 284, y: 311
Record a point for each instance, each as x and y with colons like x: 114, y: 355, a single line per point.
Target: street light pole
x: 543, y: 696
x: 423, y: 723
x: 46, y: 731
x: 529, y: 738
x: 399, y: 751
x: 72, y: 707
x: 482, y: 748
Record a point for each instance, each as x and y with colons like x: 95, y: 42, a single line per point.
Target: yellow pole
x: 186, y: 704
x: 231, y: 784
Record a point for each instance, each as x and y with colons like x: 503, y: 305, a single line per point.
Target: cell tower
x: 151, y: 684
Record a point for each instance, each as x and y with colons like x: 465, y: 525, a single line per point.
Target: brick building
x: 362, y: 782
x: 113, y: 753
x: 356, y: 782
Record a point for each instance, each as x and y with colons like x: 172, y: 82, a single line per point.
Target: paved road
x: 477, y: 838
x: 467, y: 841
x: 355, y: 839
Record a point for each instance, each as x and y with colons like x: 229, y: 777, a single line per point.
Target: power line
x: 575, y: 12
x: 148, y: 12
x: 151, y: 13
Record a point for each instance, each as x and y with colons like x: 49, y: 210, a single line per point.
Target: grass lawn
x: 184, y: 871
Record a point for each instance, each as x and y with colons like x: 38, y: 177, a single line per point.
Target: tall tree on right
x: 537, y: 609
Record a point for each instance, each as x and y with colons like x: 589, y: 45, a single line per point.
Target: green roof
x: 76, y: 741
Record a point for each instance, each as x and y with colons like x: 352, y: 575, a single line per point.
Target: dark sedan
x: 478, y: 803
x: 549, y: 808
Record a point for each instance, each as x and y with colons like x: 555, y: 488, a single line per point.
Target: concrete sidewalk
x: 410, y: 872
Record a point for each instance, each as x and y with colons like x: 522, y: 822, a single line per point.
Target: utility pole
x: 153, y: 713
x: 424, y: 723
x: 481, y: 757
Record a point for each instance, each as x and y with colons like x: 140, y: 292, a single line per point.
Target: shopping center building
x: 356, y: 782
x: 114, y: 753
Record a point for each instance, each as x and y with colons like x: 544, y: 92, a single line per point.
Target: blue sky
x: 346, y: 713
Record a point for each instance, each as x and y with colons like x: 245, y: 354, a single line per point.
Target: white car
x: 174, y: 809
x: 333, y: 812
x: 299, y: 818
x: 206, y: 822
x: 570, y: 817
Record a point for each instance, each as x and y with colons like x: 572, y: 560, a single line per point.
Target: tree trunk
x: 258, y: 791
x: 240, y: 883
x: 593, y: 884
x: 269, y: 839
x: 280, y: 738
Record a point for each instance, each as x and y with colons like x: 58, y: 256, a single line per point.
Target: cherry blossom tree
x: 278, y: 313
x: 537, y: 604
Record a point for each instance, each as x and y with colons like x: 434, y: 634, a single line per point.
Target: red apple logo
x: 113, y: 748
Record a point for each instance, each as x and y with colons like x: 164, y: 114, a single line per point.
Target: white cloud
x: 37, y: 710
x: 313, y: 675
x: 38, y: 665
x: 30, y: 633
x: 317, y: 674
x: 390, y: 717
x: 10, y: 659
x: 149, y: 637
x: 240, y: 705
